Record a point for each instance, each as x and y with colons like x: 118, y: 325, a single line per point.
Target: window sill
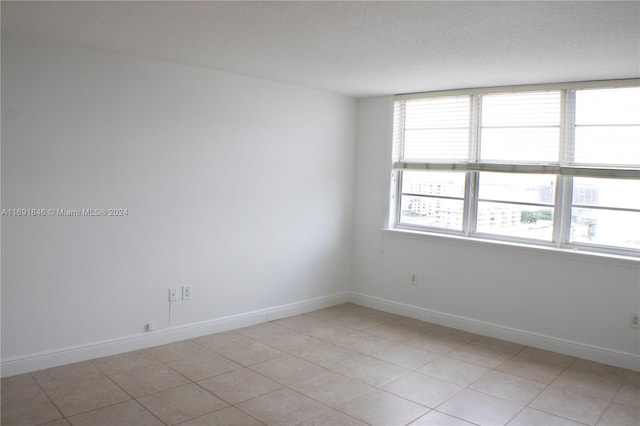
x: 575, y: 254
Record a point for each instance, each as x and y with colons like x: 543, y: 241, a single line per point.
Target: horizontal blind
x: 523, y: 131
x: 436, y: 129
x: 607, y: 127
x: 520, y: 127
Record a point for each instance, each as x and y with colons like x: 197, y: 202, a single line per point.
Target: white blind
x: 581, y: 132
x: 520, y: 127
x: 436, y: 129
x: 607, y: 130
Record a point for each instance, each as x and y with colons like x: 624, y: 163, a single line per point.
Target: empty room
x: 320, y: 213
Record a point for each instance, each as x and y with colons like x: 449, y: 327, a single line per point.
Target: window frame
x: 564, y: 170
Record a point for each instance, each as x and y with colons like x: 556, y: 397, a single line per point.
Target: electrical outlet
x: 186, y: 292
x: 635, y: 320
x: 413, y: 278
x: 173, y: 295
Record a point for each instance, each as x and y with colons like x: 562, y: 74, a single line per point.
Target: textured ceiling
x: 357, y: 48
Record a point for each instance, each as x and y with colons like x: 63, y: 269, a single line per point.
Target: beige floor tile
x: 508, y: 386
x: 480, y: 408
x: 405, y: 356
x: 454, y: 371
x: 182, y: 403
x: 229, y: 416
x: 531, y: 369
x: 414, y: 324
x: 479, y: 355
x: 362, y: 321
x: 370, y: 370
x: 176, y: 350
x: 280, y: 337
x: 219, y: 340
x: 454, y: 333
x: 589, y: 384
x: 436, y: 418
x: 598, y: 369
x: 313, y: 327
x: 382, y: 408
x: 66, y: 375
x: 125, y: 413
x: 282, y: 407
x: 620, y: 415
x: 121, y: 363
x: 394, y: 332
x: 61, y: 422
x: 240, y: 348
x: 400, y: 330
x: 239, y: 385
x: 332, y: 418
x: 331, y: 388
x: 212, y: 340
x: 547, y: 357
x: 423, y: 389
x: 499, y: 345
x: 288, y: 370
x: 634, y: 378
x: 629, y: 394
x: 147, y: 380
x: 379, y: 315
x: 326, y: 354
x: 570, y: 404
x: 328, y: 314
x: 362, y: 342
x: 20, y: 386
x: 29, y: 410
x: 86, y: 396
x: 533, y: 417
x: 435, y: 343
x: 202, y: 364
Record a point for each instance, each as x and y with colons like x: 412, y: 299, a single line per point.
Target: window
x: 555, y: 165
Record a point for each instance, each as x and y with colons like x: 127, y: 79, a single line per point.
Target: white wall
x: 239, y: 187
x: 567, y: 302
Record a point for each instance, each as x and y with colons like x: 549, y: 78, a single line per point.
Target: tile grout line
x: 47, y: 395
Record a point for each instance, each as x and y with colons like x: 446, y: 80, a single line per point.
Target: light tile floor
x: 345, y: 365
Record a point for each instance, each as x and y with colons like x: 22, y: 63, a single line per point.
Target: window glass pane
x: 448, y: 184
x: 520, y: 144
x: 608, y: 106
x: 617, y: 145
x: 521, y: 109
x: 435, y: 145
x: 621, y: 193
x: 433, y: 212
x: 515, y: 220
x: 523, y: 188
x: 605, y: 227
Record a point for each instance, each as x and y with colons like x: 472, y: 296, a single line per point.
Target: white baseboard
x: 39, y: 361
x: 567, y: 347
x: 34, y: 362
